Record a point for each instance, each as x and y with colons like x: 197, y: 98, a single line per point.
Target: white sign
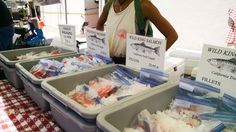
x: 145, y: 51
x: 97, y: 42
x: 67, y: 35
x: 218, y: 68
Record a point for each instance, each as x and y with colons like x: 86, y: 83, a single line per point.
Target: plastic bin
x: 32, y: 84
x: 66, y: 118
x: 119, y: 117
x: 35, y: 92
x: 8, y: 61
x: 60, y: 86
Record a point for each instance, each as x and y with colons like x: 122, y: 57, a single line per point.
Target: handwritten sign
x: 97, y: 42
x: 145, y: 51
x: 67, y: 35
x: 218, y: 68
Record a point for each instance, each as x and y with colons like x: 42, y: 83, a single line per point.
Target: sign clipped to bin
x: 218, y: 68
x: 145, y: 51
x: 97, y: 42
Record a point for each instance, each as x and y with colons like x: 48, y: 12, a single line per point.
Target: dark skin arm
x: 151, y: 13
x: 103, y: 18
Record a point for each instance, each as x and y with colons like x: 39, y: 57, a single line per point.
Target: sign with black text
x: 144, y: 51
x: 97, y: 42
x: 218, y: 68
x: 67, y: 35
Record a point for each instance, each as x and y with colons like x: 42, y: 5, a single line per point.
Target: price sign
x: 144, y: 51
x: 97, y: 42
x: 67, y: 35
x: 218, y: 68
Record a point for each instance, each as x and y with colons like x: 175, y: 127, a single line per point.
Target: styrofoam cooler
x: 66, y: 118
x: 191, y: 58
x: 174, y: 67
x: 119, y: 117
x: 8, y: 61
x: 59, y: 88
x: 32, y: 84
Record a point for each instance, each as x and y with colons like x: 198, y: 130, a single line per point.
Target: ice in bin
x: 193, y: 99
x: 8, y: 60
x: 61, y: 86
x: 118, y: 117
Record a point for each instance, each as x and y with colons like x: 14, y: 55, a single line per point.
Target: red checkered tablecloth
x: 19, y: 113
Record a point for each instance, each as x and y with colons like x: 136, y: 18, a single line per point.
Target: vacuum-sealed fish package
x: 198, y: 106
x: 228, y: 119
x: 195, y: 88
x: 152, y: 76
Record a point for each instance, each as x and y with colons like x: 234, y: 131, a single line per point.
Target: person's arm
x: 103, y: 18
x: 151, y: 13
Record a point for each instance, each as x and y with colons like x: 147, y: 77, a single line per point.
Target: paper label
x: 144, y: 51
x: 67, y: 35
x: 97, y: 42
x: 217, y: 68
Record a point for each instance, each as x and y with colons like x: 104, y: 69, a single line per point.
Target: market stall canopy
x: 46, y: 2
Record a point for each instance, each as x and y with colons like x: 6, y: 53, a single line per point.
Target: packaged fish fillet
x: 104, y: 59
x: 125, y: 72
x: 228, y: 119
x: 133, y: 89
x: 103, y: 86
x: 230, y: 102
x: 194, y: 88
x: 52, y: 67
x: 152, y: 76
x: 122, y: 76
x: 198, y: 106
x: 38, y: 71
x: 85, y: 96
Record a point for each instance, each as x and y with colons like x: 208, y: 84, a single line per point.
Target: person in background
x: 231, y: 38
x: 34, y: 10
x: 120, y: 17
x: 37, y: 35
x: 6, y: 27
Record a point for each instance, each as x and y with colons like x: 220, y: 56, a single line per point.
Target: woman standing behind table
x: 121, y: 18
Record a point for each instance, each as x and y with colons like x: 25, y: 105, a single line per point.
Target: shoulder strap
x: 109, y: 2
x: 143, y: 25
x: 139, y: 15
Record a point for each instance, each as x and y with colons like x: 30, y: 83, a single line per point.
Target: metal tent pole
x: 66, y: 12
